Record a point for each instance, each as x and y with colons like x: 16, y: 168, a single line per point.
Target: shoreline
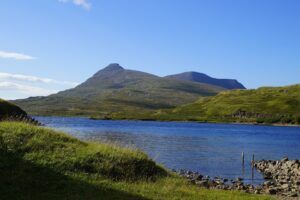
x: 178, y: 121
x: 280, y: 178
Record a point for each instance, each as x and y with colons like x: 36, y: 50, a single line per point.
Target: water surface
x: 211, y: 149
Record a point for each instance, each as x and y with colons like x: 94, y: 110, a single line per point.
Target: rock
x: 256, y: 191
x: 239, y: 179
x: 285, y: 186
x: 268, y: 183
x: 282, y: 178
x: 293, y: 194
x: 271, y: 191
x: 268, y: 175
x: 284, y: 174
x: 199, y: 177
x: 203, y: 183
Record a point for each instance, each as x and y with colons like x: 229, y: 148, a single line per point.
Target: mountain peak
x: 113, y: 67
x: 109, y: 69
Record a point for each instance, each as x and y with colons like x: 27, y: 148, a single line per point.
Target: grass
x: 39, y: 163
x: 264, y: 105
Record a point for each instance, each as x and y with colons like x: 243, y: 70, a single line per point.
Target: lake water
x: 211, y: 149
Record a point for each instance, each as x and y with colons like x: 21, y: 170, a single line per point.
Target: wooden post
x: 252, y: 163
x: 243, y: 158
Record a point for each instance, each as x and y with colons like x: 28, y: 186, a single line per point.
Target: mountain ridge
x: 204, y: 78
x: 114, y: 89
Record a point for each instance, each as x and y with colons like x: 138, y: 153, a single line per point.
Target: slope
x: 263, y: 105
x: 203, y: 78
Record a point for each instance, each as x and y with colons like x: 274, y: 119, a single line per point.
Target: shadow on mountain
x: 145, y: 105
x: 20, y: 179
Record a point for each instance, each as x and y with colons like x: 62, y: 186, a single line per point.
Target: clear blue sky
x: 254, y: 41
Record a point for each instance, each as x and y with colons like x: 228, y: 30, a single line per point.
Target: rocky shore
x: 283, y: 176
x: 282, y: 179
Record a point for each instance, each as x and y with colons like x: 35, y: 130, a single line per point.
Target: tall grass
x: 46, y: 147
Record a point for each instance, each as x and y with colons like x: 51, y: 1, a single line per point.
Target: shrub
x: 297, y: 119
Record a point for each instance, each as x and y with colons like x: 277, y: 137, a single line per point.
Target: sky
x: 51, y: 45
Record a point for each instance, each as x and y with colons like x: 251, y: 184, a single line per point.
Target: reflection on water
x: 211, y: 149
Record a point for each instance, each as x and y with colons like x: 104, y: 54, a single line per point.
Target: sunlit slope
x: 263, y: 105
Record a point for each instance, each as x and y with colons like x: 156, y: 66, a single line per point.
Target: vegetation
x: 117, y: 91
x: 264, y: 105
x: 8, y: 109
x: 39, y: 163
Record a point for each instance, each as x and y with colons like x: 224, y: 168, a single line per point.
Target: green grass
x: 39, y: 163
x: 264, y: 105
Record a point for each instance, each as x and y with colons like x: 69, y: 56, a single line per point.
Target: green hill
x: 263, y: 105
x: 115, y: 90
x: 9, y: 110
x: 39, y: 163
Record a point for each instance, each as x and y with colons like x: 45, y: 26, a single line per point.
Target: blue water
x: 211, y: 149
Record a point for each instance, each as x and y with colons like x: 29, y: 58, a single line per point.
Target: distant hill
x: 263, y: 105
x: 203, y: 78
x: 118, y: 90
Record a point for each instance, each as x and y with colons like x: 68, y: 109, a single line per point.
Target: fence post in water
x: 252, y: 163
x: 243, y: 158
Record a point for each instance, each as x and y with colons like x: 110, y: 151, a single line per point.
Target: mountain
x: 203, y: 78
x: 115, y: 90
x: 263, y: 105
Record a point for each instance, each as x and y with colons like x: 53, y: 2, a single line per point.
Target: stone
x: 272, y: 191
x: 203, y: 183
x: 284, y: 159
x: 199, y: 177
x: 268, y: 183
x: 294, y: 194
x: 285, y: 186
x: 256, y: 191
x: 239, y: 179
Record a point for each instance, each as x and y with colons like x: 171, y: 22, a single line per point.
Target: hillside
x: 263, y: 105
x: 8, y: 110
x: 117, y: 90
x: 39, y: 163
x: 203, y: 78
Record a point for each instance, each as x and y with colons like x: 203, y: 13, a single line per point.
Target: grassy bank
x: 39, y: 163
x: 267, y: 105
